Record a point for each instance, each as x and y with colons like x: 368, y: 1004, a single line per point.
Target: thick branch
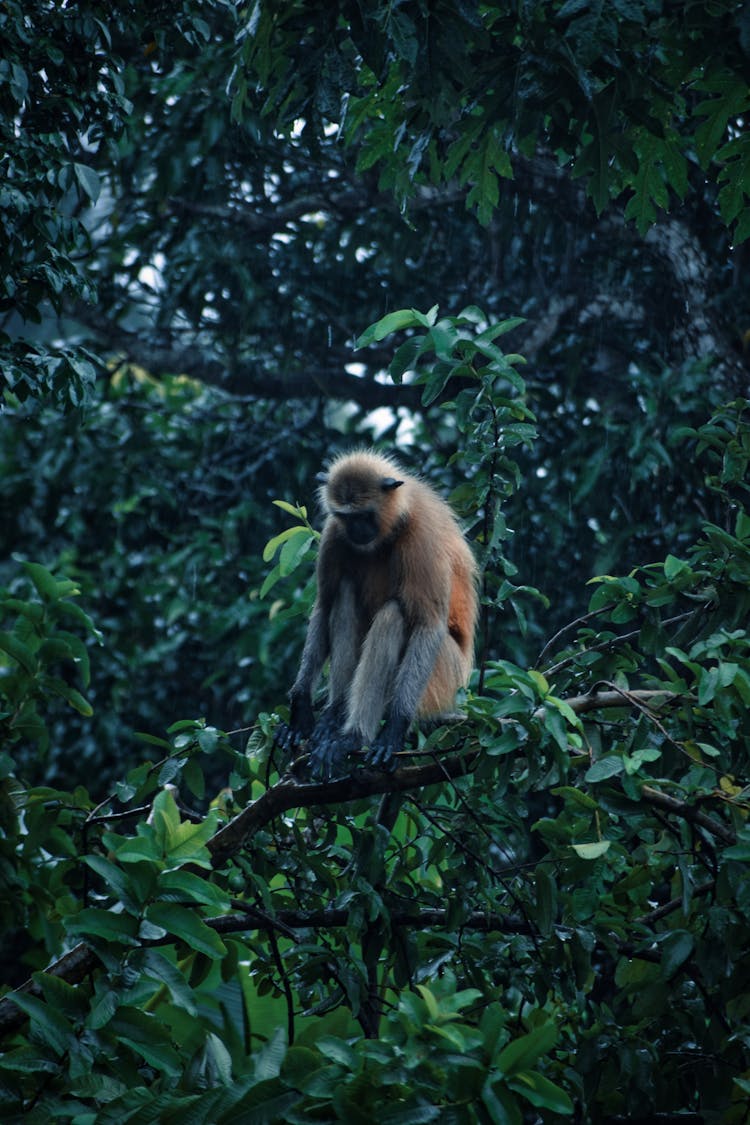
x: 82, y: 959
x: 261, y: 223
x: 674, y: 245
x: 334, y: 918
x: 252, y: 379
x: 291, y: 794
x: 72, y: 967
x: 690, y: 813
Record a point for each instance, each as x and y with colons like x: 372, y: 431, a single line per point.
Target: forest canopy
x: 508, y: 243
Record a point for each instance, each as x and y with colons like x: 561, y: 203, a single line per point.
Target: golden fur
x: 421, y: 559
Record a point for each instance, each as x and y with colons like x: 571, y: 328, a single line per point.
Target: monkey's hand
x: 329, y: 747
x: 388, y: 743
x: 300, y: 726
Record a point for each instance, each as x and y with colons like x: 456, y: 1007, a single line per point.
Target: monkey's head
x: 360, y: 492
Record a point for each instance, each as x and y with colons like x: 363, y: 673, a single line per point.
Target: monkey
x: 395, y: 614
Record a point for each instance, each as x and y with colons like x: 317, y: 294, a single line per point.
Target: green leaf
x: 270, y: 581
x: 436, y: 381
x: 546, y: 900
x: 491, y: 161
x: 114, y: 879
x: 576, y: 797
x: 540, y: 1092
x: 405, y: 357
x: 501, y: 1105
x: 27, y: 1060
x: 525, y: 1051
x: 279, y: 540
x: 19, y: 83
x: 499, y: 329
x: 153, y: 740
x: 89, y: 181
x: 160, y: 968
x: 295, y: 548
x: 676, y: 948
x: 94, y: 922
x: 70, y: 694
x: 394, y: 322
x: 71, y: 609
x: 146, y: 1035
x: 676, y: 164
x: 139, y: 849
x: 592, y: 851
x: 49, y: 1025
x: 731, y: 101
x: 179, y: 841
x: 75, y: 650
x: 187, y: 926
x: 187, y: 885
x: 291, y: 510
x: 50, y: 588
x: 673, y: 567
x: 609, y: 766
x: 19, y: 652
x: 742, y: 230
x: 648, y: 184
x: 33, y: 610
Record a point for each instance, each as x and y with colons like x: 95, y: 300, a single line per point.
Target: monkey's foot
x: 389, y: 742
x: 287, y: 738
x: 383, y: 756
x: 329, y: 751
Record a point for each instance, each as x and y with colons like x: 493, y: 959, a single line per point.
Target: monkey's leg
x: 414, y: 672
x: 369, y: 691
x: 376, y: 673
x: 301, y: 714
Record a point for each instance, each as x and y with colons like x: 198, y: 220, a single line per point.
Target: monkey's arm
x: 301, y: 713
x: 411, y: 680
x: 330, y: 743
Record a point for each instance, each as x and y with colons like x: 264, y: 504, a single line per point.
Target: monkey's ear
x: 321, y: 478
x: 389, y: 483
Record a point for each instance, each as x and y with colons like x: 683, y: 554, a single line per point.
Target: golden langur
x: 395, y: 614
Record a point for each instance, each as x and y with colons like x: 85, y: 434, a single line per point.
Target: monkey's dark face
x: 360, y: 527
x: 361, y: 500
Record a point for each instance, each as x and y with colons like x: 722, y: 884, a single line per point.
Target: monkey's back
x: 437, y: 559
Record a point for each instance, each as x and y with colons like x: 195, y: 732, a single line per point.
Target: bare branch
x: 690, y: 813
x: 595, y: 700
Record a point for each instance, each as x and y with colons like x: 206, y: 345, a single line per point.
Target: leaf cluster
x: 627, y: 95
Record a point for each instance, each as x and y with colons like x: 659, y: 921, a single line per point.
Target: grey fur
x: 344, y: 633
x: 376, y: 672
x: 367, y: 676
x: 314, y: 654
x: 416, y: 668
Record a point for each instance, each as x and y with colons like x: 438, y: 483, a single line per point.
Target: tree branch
x: 239, y: 377
x: 690, y: 813
x: 594, y: 700
x: 290, y: 794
